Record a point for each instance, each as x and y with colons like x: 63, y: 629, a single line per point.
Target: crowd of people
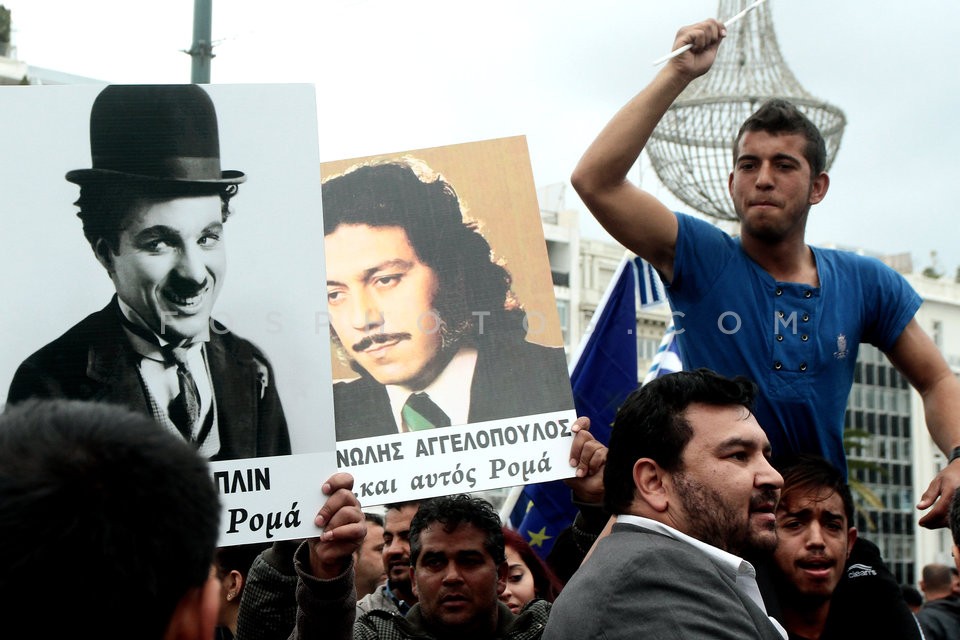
x: 719, y: 508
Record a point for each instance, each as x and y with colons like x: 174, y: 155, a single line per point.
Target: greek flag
x: 603, y: 371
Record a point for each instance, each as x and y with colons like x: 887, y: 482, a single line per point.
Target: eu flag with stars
x: 602, y: 373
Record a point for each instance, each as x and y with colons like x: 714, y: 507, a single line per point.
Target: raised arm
x: 917, y: 358
x: 326, y: 600
x: 634, y: 217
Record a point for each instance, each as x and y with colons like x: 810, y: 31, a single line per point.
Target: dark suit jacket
x: 94, y: 360
x: 512, y: 378
x: 642, y: 584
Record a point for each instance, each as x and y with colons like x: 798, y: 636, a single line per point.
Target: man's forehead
x: 715, y: 424
x: 790, y: 143
x: 360, y: 228
x: 811, y: 500
x: 183, y: 213
x: 463, y: 537
x: 394, y: 519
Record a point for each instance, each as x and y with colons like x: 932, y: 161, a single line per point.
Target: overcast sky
x: 394, y: 75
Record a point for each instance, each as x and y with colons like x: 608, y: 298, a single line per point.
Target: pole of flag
x: 603, y: 371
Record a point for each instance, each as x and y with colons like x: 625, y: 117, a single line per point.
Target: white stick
x: 730, y: 21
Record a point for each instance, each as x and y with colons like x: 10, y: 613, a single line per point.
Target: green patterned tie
x: 420, y: 412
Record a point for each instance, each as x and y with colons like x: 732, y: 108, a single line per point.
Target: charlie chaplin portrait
x: 153, y: 208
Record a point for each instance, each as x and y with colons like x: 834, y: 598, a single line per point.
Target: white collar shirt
x: 746, y: 575
x: 450, y: 390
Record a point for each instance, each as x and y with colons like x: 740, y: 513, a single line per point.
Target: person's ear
x: 233, y: 584
x: 413, y: 583
x: 956, y: 556
x: 502, y: 571
x: 649, y: 485
x: 195, y: 615
x: 851, y: 539
x: 818, y: 188
x: 101, y: 249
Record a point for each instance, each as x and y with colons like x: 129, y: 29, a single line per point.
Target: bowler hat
x: 155, y: 133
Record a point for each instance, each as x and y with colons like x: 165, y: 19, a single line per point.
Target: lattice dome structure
x: 691, y: 149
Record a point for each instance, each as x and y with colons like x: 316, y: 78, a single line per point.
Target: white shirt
x: 161, y: 378
x: 450, y: 390
x: 746, y: 574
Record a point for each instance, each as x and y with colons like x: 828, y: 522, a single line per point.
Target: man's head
x: 936, y: 581
x: 912, y: 596
x: 369, y: 571
x: 780, y: 117
x: 458, y: 565
x: 955, y: 527
x: 778, y: 172
x: 397, y: 517
x: 122, y: 503
x: 154, y: 203
x: 686, y: 450
x: 814, y: 528
x: 409, y: 280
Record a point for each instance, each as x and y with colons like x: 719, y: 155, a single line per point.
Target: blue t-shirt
x: 798, y: 343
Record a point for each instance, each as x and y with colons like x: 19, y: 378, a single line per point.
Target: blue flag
x: 667, y: 359
x: 602, y: 373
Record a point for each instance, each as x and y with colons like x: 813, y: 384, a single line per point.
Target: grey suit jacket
x: 643, y: 584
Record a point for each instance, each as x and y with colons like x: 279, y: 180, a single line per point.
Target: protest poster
x: 442, y: 314
x: 255, y: 281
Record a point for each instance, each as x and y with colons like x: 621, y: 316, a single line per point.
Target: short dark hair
x: 451, y: 512
x: 911, y: 595
x: 651, y: 423
x: 546, y: 584
x: 105, y: 205
x: 955, y: 518
x: 238, y: 557
x: 375, y: 518
x: 808, y: 472
x: 397, y: 506
x: 779, y: 116
x: 108, y: 492
x: 936, y: 577
x: 407, y: 194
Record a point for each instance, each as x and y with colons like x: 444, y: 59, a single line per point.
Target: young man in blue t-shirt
x: 765, y: 304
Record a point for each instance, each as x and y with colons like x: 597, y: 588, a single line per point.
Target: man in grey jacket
x: 689, y: 478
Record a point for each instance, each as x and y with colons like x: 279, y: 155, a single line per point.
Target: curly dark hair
x: 651, y: 423
x: 451, y: 512
x: 777, y: 116
x: 427, y: 208
x: 105, y: 205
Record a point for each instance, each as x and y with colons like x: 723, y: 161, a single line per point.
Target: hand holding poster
x: 131, y: 304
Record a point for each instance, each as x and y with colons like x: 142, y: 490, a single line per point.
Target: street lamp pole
x: 202, y: 49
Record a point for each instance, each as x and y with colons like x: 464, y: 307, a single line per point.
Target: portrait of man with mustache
x: 421, y: 310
